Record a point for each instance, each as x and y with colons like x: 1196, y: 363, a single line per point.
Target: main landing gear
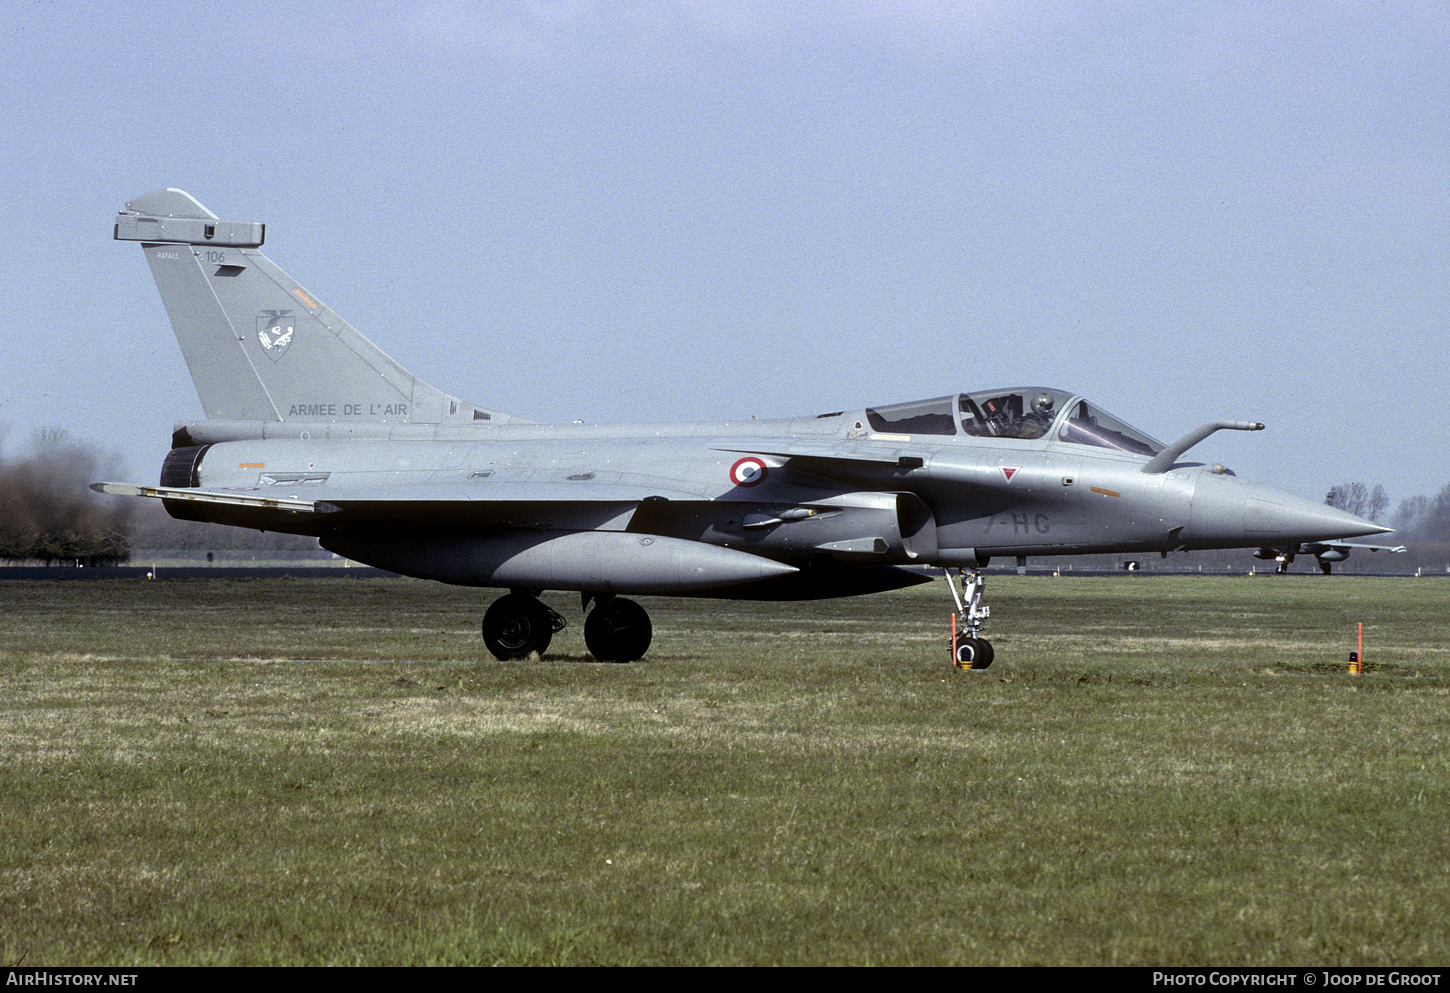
x: 517, y: 625
x: 617, y: 630
x: 969, y: 649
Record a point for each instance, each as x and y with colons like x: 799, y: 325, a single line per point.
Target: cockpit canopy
x: 1025, y: 413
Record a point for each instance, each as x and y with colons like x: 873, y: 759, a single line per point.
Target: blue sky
x: 706, y: 209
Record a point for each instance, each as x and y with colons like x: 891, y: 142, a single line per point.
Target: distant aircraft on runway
x: 312, y: 429
x: 1327, y: 552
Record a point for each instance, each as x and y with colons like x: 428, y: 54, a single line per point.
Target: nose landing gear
x: 969, y: 649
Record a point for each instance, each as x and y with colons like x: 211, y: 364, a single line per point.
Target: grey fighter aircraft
x: 311, y: 429
x: 1325, y: 552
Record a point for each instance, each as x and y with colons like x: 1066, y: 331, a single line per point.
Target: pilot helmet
x: 1042, y: 404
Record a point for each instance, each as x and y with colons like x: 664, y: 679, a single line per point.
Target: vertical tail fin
x: 259, y: 346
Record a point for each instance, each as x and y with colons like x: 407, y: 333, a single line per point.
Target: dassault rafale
x: 311, y: 429
x: 1326, y: 553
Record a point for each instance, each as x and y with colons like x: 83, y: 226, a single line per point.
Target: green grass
x: 1155, y: 771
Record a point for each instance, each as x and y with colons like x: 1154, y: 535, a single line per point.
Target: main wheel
x: 516, y: 625
x: 618, y: 631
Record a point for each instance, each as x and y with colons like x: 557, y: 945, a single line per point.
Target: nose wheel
x: 969, y: 649
x: 973, y: 653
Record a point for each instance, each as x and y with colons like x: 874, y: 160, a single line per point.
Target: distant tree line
x: 1421, y: 522
x: 1360, y: 500
x: 1418, y: 518
x: 1424, y: 518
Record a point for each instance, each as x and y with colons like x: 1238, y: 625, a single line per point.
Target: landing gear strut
x: 517, y: 625
x: 969, y: 649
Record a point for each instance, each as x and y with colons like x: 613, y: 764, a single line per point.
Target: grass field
x: 1155, y: 771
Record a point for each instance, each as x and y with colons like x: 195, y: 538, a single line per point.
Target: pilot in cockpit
x: 1027, y: 416
x: 1036, y: 423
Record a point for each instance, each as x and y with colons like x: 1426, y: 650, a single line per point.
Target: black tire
x: 988, y: 654
x: 618, y: 630
x: 516, y: 626
x: 967, y: 651
x: 974, y: 653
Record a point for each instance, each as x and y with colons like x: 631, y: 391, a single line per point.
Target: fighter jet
x: 311, y: 429
x: 1326, y: 552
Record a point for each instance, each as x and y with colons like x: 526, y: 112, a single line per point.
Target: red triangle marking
x: 1008, y: 471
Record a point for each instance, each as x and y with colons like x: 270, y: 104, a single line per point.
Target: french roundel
x: 748, y: 471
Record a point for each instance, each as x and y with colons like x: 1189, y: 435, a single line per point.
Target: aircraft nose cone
x: 1231, y: 513
x: 1271, y: 517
